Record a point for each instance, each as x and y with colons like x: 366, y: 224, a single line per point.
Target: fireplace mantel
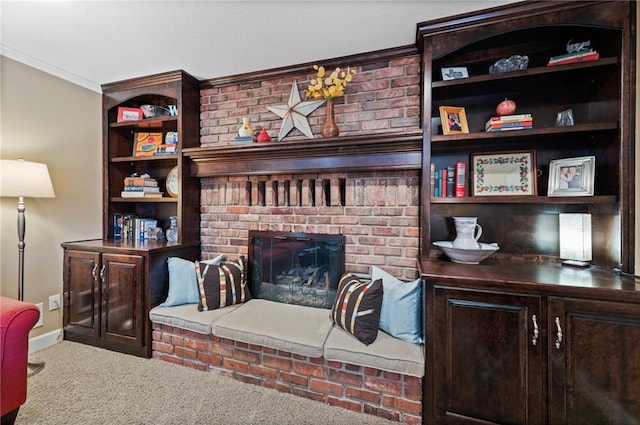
x: 381, y: 151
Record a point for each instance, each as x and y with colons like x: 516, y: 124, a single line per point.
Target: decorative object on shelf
x: 173, y: 182
x: 468, y: 231
x: 509, y: 122
x: 467, y: 256
x: 576, y: 52
x: 513, y: 63
x: 578, y: 47
x: 294, y: 113
x: 173, y: 110
x: 328, y: 88
x: 572, y: 176
x: 263, y: 137
x: 172, y: 230
x: 330, y: 127
x: 575, y: 239
x: 506, y: 107
x: 454, y: 73
x: 146, y: 143
x: 156, y: 234
x: 245, y: 130
x: 565, y: 118
x: 504, y: 173
x: 154, y: 111
x: 129, y: 114
x: 454, y: 120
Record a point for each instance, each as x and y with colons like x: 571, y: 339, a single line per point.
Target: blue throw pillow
x: 401, y: 312
x: 183, y: 284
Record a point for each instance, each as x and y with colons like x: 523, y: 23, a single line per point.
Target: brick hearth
x: 366, y: 390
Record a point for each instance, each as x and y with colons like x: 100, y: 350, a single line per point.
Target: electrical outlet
x: 40, y: 321
x: 54, y: 302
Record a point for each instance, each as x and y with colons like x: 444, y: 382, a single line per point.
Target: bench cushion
x: 292, y: 328
x: 188, y: 317
x: 385, y: 353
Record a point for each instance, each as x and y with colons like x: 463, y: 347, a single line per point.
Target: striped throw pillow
x: 222, y: 285
x: 357, y: 307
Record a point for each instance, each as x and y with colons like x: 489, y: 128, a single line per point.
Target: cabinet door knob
x: 102, y: 272
x: 559, y: 333
x: 536, y: 332
x: 94, y: 272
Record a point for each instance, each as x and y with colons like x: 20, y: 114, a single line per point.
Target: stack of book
x: 509, y: 122
x: 574, y: 57
x: 141, y: 187
x: 170, y: 144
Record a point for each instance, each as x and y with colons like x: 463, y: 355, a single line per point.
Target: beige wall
x: 49, y: 120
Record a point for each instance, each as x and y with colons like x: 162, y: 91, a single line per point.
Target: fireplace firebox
x: 295, y: 268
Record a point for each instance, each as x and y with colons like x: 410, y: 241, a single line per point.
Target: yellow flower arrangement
x: 328, y: 87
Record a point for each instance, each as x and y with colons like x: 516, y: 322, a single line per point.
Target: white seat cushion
x: 293, y: 328
x: 385, y: 353
x: 187, y: 316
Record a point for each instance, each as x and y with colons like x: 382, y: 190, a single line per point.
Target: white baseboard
x: 41, y: 342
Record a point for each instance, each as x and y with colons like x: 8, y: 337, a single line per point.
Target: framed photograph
x: 454, y: 73
x: 454, y: 120
x: 504, y: 173
x: 572, y: 176
x: 129, y: 114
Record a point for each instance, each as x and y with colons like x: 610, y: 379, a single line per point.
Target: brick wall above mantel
x: 384, y: 96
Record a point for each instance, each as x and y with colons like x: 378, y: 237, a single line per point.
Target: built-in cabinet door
x: 123, y: 313
x: 82, y: 292
x: 594, y: 350
x: 488, y: 358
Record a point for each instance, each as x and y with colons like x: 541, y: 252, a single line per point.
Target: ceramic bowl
x: 467, y: 256
x: 153, y: 111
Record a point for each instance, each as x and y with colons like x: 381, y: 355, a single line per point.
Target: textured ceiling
x: 96, y: 42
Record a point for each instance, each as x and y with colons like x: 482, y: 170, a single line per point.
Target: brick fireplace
x: 366, y: 190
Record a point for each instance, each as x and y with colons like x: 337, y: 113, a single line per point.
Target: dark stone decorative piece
x: 514, y: 63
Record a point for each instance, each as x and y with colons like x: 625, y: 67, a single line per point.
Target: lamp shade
x: 24, y: 178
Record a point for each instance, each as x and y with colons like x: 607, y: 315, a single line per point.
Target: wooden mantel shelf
x: 382, y: 151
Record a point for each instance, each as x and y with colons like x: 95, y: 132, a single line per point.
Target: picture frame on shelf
x: 510, y: 173
x: 454, y: 73
x: 129, y: 114
x: 145, y: 144
x: 572, y: 176
x: 454, y: 120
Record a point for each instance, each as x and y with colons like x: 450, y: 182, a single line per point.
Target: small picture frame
x: 572, y: 176
x: 454, y: 120
x: 510, y: 173
x: 454, y: 73
x: 129, y: 114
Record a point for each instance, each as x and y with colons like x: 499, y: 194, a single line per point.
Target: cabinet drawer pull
x: 536, y: 332
x: 94, y: 272
x: 102, y: 272
x: 559, y: 334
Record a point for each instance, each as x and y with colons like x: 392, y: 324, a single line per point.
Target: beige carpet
x: 87, y: 385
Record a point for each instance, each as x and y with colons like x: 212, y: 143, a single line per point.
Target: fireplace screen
x: 296, y: 268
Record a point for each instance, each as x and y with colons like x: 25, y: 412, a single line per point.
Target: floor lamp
x: 23, y: 179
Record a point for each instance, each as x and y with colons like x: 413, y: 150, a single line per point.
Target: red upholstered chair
x: 16, y: 320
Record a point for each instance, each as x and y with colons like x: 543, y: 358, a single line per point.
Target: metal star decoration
x: 294, y: 113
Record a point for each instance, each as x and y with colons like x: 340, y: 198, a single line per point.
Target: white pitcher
x: 468, y: 231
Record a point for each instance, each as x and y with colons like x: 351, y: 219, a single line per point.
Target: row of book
x: 449, y: 182
x: 141, y: 187
x: 509, y: 122
x: 134, y: 228
x: 149, y: 144
x: 584, y: 55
